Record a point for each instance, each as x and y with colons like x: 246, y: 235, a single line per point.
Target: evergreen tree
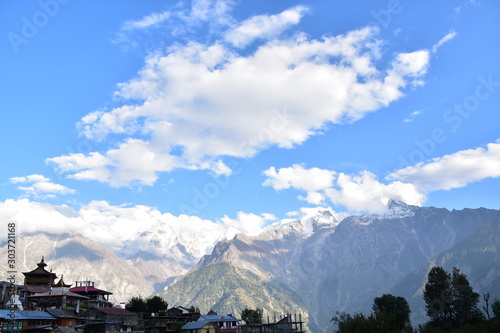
x: 437, y: 296
x: 450, y: 300
x: 136, y: 304
x: 251, y: 316
x: 392, y: 311
x: 156, y: 304
x: 465, y: 300
x: 495, y: 308
x: 359, y: 323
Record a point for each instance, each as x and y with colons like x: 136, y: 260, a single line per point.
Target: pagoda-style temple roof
x: 40, y: 270
x: 39, y: 276
x: 61, y: 284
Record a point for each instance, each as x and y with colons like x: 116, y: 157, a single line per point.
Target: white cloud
x: 134, y: 161
x: 298, y: 177
x: 146, y: 21
x: 412, y: 116
x: 29, y: 179
x: 206, y: 101
x: 454, y: 170
x: 213, y: 11
x: 443, y: 40
x: 315, y: 198
x: 292, y: 213
x: 264, y: 26
x: 358, y: 193
x: 364, y: 192
x: 269, y: 217
x: 41, y: 186
x: 114, y: 226
x: 247, y: 223
x: 412, y: 64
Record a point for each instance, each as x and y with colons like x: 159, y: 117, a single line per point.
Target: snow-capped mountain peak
x: 398, y: 210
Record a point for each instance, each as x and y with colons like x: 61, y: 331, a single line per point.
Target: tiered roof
x: 39, y: 276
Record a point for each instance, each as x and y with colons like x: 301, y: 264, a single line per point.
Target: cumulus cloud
x: 197, y: 102
x: 298, y: 177
x: 248, y: 223
x: 454, y: 170
x: 40, y: 186
x: 358, y: 193
x: 364, y: 192
x: 134, y: 161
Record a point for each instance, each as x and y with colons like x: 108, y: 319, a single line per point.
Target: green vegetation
x: 390, y: 314
x: 451, y: 305
x: 450, y: 300
x: 156, y: 304
x: 495, y: 307
x: 136, y: 304
x: 251, y: 316
x: 150, y: 305
x: 392, y: 311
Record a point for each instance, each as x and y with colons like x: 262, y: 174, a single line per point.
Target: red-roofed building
x: 58, y: 296
x: 97, y: 297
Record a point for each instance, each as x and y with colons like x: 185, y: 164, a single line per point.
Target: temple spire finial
x: 42, y: 262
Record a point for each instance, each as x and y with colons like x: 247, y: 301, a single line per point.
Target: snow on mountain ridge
x: 307, y: 225
x: 393, y: 210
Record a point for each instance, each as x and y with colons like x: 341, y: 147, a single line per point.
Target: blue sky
x: 248, y: 111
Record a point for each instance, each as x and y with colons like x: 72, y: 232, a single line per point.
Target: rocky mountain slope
x: 78, y: 258
x: 337, y: 266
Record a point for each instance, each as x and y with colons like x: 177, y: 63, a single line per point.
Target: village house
x: 200, y: 327
x: 223, y: 324
x: 20, y: 321
x: 169, y: 320
x: 98, y: 318
x: 63, y: 319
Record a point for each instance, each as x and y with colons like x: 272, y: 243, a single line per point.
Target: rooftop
x: 115, y: 311
x: 90, y: 291
x: 26, y: 315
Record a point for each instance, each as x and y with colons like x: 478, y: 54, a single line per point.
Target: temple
x: 40, y: 291
x: 38, y: 280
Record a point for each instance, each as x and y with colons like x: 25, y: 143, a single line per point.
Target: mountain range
x: 314, y: 266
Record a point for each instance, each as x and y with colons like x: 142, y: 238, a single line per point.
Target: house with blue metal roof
x: 223, y: 324
x: 17, y: 321
x: 200, y: 327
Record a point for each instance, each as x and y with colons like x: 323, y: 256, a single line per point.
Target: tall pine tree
x: 450, y: 300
